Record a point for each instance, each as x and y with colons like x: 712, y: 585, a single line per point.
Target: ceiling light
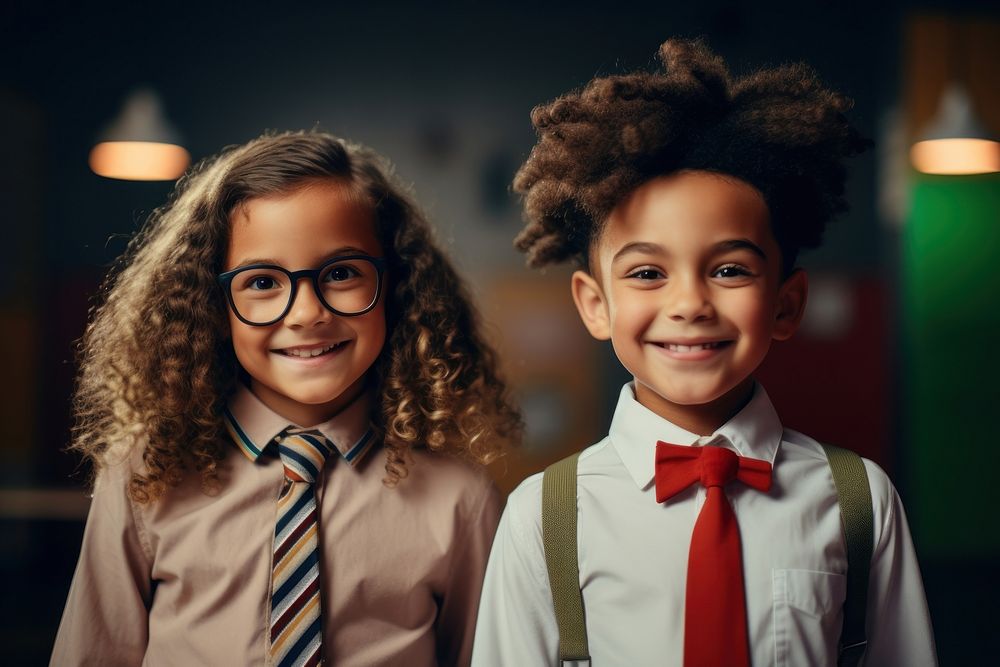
x: 140, y: 144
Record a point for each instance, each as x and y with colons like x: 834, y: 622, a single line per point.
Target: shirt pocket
x: 808, y: 612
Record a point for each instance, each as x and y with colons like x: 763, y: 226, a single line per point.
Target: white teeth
x: 309, y: 353
x: 675, y: 347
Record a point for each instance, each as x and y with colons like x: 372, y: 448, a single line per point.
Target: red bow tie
x: 678, y: 467
x: 715, y: 617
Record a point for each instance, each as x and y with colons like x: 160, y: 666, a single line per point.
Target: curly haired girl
x: 282, y: 321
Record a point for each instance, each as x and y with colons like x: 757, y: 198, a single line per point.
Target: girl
x: 283, y: 323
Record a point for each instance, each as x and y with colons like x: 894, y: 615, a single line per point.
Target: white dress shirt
x: 633, y: 555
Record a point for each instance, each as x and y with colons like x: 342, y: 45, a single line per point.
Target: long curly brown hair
x: 778, y: 129
x: 157, y: 367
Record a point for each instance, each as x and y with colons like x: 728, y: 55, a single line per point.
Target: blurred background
x: 897, y: 354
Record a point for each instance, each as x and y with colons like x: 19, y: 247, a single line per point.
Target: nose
x: 689, y: 300
x: 306, y: 309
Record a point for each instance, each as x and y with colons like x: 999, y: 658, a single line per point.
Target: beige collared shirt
x: 185, y: 580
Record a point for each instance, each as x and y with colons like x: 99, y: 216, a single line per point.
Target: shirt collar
x: 253, y: 426
x: 755, y: 431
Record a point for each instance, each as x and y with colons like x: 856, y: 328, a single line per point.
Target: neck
x: 307, y: 415
x: 701, y: 419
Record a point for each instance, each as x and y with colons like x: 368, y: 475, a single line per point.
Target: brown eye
x: 340, y: 273
x: 646, y: 274
x: 261, y: 283
x: 731, y: 271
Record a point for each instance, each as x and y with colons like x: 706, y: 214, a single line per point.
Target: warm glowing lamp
x: 140, y: 144
x: 955, y: 142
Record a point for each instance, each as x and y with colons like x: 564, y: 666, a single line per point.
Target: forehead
x: 686, y: 211
x: 302, y: 227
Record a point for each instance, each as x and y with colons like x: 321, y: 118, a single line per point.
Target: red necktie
x: 715, y: 615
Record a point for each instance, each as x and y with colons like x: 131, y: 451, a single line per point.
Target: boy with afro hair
x: 706, y: 534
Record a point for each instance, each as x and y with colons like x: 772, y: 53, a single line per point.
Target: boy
x: 707, y: 533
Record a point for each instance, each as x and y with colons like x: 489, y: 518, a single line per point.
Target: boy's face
x: 687, y: 286
x: 297, y: 231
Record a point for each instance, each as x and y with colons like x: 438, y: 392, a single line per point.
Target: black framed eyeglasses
x: 262, y: 294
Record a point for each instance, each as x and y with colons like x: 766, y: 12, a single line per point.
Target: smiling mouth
x: 677, y: 347
x: 301, y: 353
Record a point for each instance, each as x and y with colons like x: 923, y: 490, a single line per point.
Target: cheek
x: 753, y: 312
x: 247, y: 341
x: 371, y: 329
x: 632, y: 311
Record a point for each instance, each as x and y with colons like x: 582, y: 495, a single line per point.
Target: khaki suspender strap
x: 559, y: 539
x: 855, y: 497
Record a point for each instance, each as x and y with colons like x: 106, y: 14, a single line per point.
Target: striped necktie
x: 296, y: 635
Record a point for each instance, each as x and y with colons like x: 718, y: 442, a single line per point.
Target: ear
x: 791, y: 304
x: 589, y: 300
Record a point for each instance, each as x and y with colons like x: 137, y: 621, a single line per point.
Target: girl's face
x: 303, y: 230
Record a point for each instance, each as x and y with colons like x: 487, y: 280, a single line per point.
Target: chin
x: 318, y: 398
x: 687, y: 396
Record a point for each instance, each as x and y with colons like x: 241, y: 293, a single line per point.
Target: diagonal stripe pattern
x: 296, y: 631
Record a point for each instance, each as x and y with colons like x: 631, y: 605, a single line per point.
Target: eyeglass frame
x: 225, y: 280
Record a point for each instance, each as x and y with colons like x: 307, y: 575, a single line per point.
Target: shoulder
x: 524, y: 505
x: 110, y: 487
x: 116, y: 468
x: 884, y: 496
x: 447, y: 473
x: 799, y: 445
x: 882, y: 490
x: 114, y: 515
x: 443, y: 481
x: 807, y: 446
x: 521, y: 524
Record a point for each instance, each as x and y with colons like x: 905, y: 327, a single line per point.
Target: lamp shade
x: 955, y: 142
x: 140, y: 144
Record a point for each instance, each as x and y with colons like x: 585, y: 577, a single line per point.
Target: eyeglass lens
x: 262, y: 295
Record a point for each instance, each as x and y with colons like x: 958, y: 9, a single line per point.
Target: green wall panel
x: 951, y: 364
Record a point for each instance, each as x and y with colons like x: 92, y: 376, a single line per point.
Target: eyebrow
x: 647, y: 248
x: 346, y: 250
x: 643, y: 247
x: 741, y: 244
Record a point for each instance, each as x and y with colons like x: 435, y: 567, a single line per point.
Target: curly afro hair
x: 778, y: 129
